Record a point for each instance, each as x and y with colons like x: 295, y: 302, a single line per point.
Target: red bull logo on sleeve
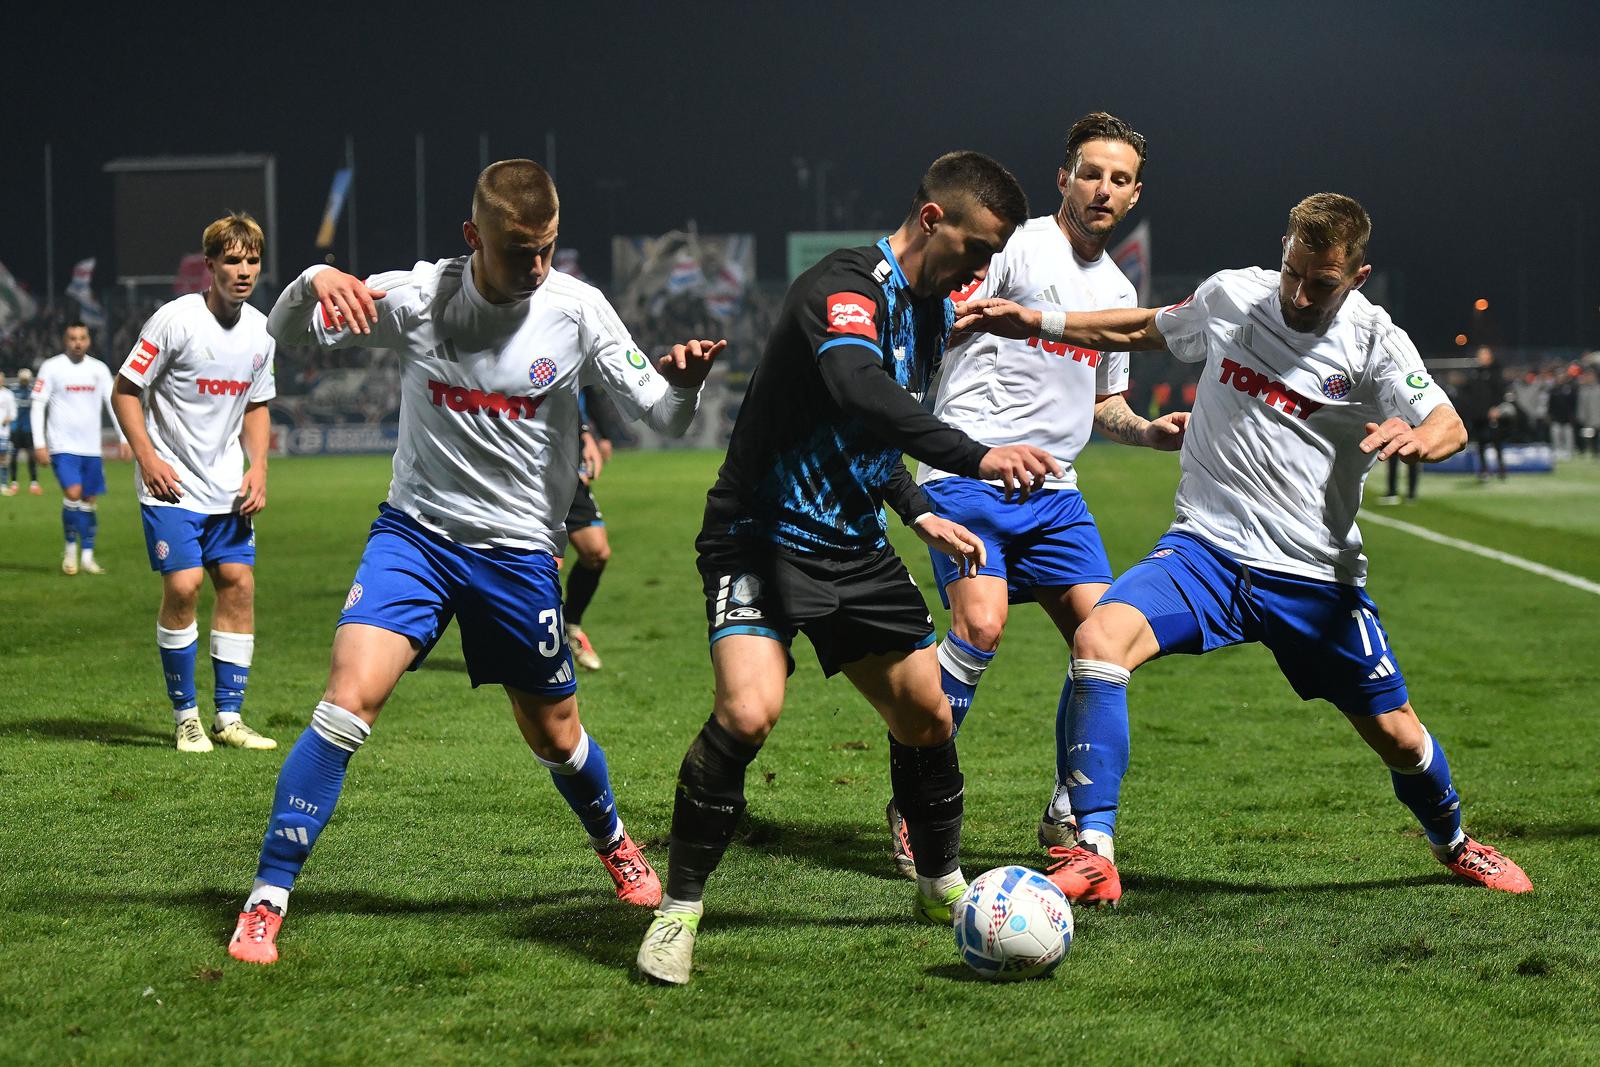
x: 479, y: 402
x: 1272, y: 393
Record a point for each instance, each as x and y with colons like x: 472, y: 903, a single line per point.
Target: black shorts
x: 584, y: 511
x: 22, y: 440
x: 849, y: 608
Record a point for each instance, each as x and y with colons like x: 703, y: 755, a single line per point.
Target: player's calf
x: 307, y: 791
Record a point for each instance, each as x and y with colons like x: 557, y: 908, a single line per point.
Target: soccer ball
x: 1013, y: 924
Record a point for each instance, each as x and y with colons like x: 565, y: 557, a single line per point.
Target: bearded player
x: 1305, y: 385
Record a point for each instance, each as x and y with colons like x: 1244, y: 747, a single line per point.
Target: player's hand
x: 592, y: 459
x: 124, y: 452
x: 963, y: 546
x: 1396, y: 437
x: 160, y: 480
x: 1020, y: 468
x: 1004, y: 318
x: 605, y: 448
x: 687, y: 365
x: 1166, y: 433
x: 253, y: 491
x: 346, y: 300
x: 42, y: 456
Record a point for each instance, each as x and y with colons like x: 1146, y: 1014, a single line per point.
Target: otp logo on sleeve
x: 851, y: 313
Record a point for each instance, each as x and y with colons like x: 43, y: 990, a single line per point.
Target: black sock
x: 581, y: 584
x: 928, y: 791
x: 709, y: 802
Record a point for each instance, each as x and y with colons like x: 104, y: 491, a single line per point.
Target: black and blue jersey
x: 832, y: 406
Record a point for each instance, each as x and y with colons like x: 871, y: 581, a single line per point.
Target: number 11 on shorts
x: 1361, y: 615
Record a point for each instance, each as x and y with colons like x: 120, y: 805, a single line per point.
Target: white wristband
x: 1053, y: 326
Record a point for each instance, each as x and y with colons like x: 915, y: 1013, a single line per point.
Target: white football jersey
x: 1005, y: 392
x: 488, y: 451
x: 69, y: 398
x: 197, y: 378
x: 1271, y: 468
x: 8, y: 411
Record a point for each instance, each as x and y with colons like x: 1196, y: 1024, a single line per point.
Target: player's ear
x: 470, y: 233
x: 929, y: 216
x: 1138, y: 188
x: 1362, y: 275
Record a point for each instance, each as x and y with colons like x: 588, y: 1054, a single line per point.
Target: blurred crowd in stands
x: 1505, y: 397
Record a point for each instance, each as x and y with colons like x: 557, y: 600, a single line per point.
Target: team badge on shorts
x: 1336, y: 387
x: 1160, y: 553
x: 542, y: 371
x: 746, y: 588
x: 354, y: 598
x: 163, y: 550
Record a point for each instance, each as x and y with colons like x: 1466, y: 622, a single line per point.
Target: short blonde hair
x: 235, y: 229
x: 1327, y: 220
x: 515, y: 190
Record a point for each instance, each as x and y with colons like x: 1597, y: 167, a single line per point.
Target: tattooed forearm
x: 1114, y: 419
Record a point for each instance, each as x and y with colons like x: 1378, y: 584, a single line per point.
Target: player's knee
x: 981, y: 629
x: 73, y: 493
x: 748, y: 719
x: 594, y: 558
x: 1095, y: 640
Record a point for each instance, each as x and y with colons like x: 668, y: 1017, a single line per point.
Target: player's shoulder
x: 572, y: 296
x: 865, y: 270
x: 1234, y: 291
x: 173, y: 320
x: 1373, y: 326
x: 421, y: 283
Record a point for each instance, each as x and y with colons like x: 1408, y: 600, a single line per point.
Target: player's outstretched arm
x: 964, y: 547
x: 343, y: 301
x: 857, y: 382
x: 1114, y: 330
x: 1441, y: 435
x: 1118, y: 422
x: 160, y: 479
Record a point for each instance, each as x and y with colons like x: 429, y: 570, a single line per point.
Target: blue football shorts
x: 177, y: 539
x: 86, y: 471
x: 1048, y: 540
x: 1326, y: 636
x: 412, y: 581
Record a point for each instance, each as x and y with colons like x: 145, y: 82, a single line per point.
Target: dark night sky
x: 1469, y: 130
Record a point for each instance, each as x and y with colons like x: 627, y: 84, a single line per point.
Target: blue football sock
x: 584, y: 781
x: 69, y: 521
x: 1096, y: 743
x: 308, y: 789
x: 177, y: 649
x: 231, y: 655
x: 961, y: 666
x: 1060, y: 806
x: 1427, y: 790
x: 88, y: 524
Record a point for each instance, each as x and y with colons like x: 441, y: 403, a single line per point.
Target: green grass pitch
x: 1281, y: 907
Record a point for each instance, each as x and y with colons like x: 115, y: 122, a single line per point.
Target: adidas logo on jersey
x: 1272, y: 393
x: 1385, y: 669
x: 1047, y: 295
